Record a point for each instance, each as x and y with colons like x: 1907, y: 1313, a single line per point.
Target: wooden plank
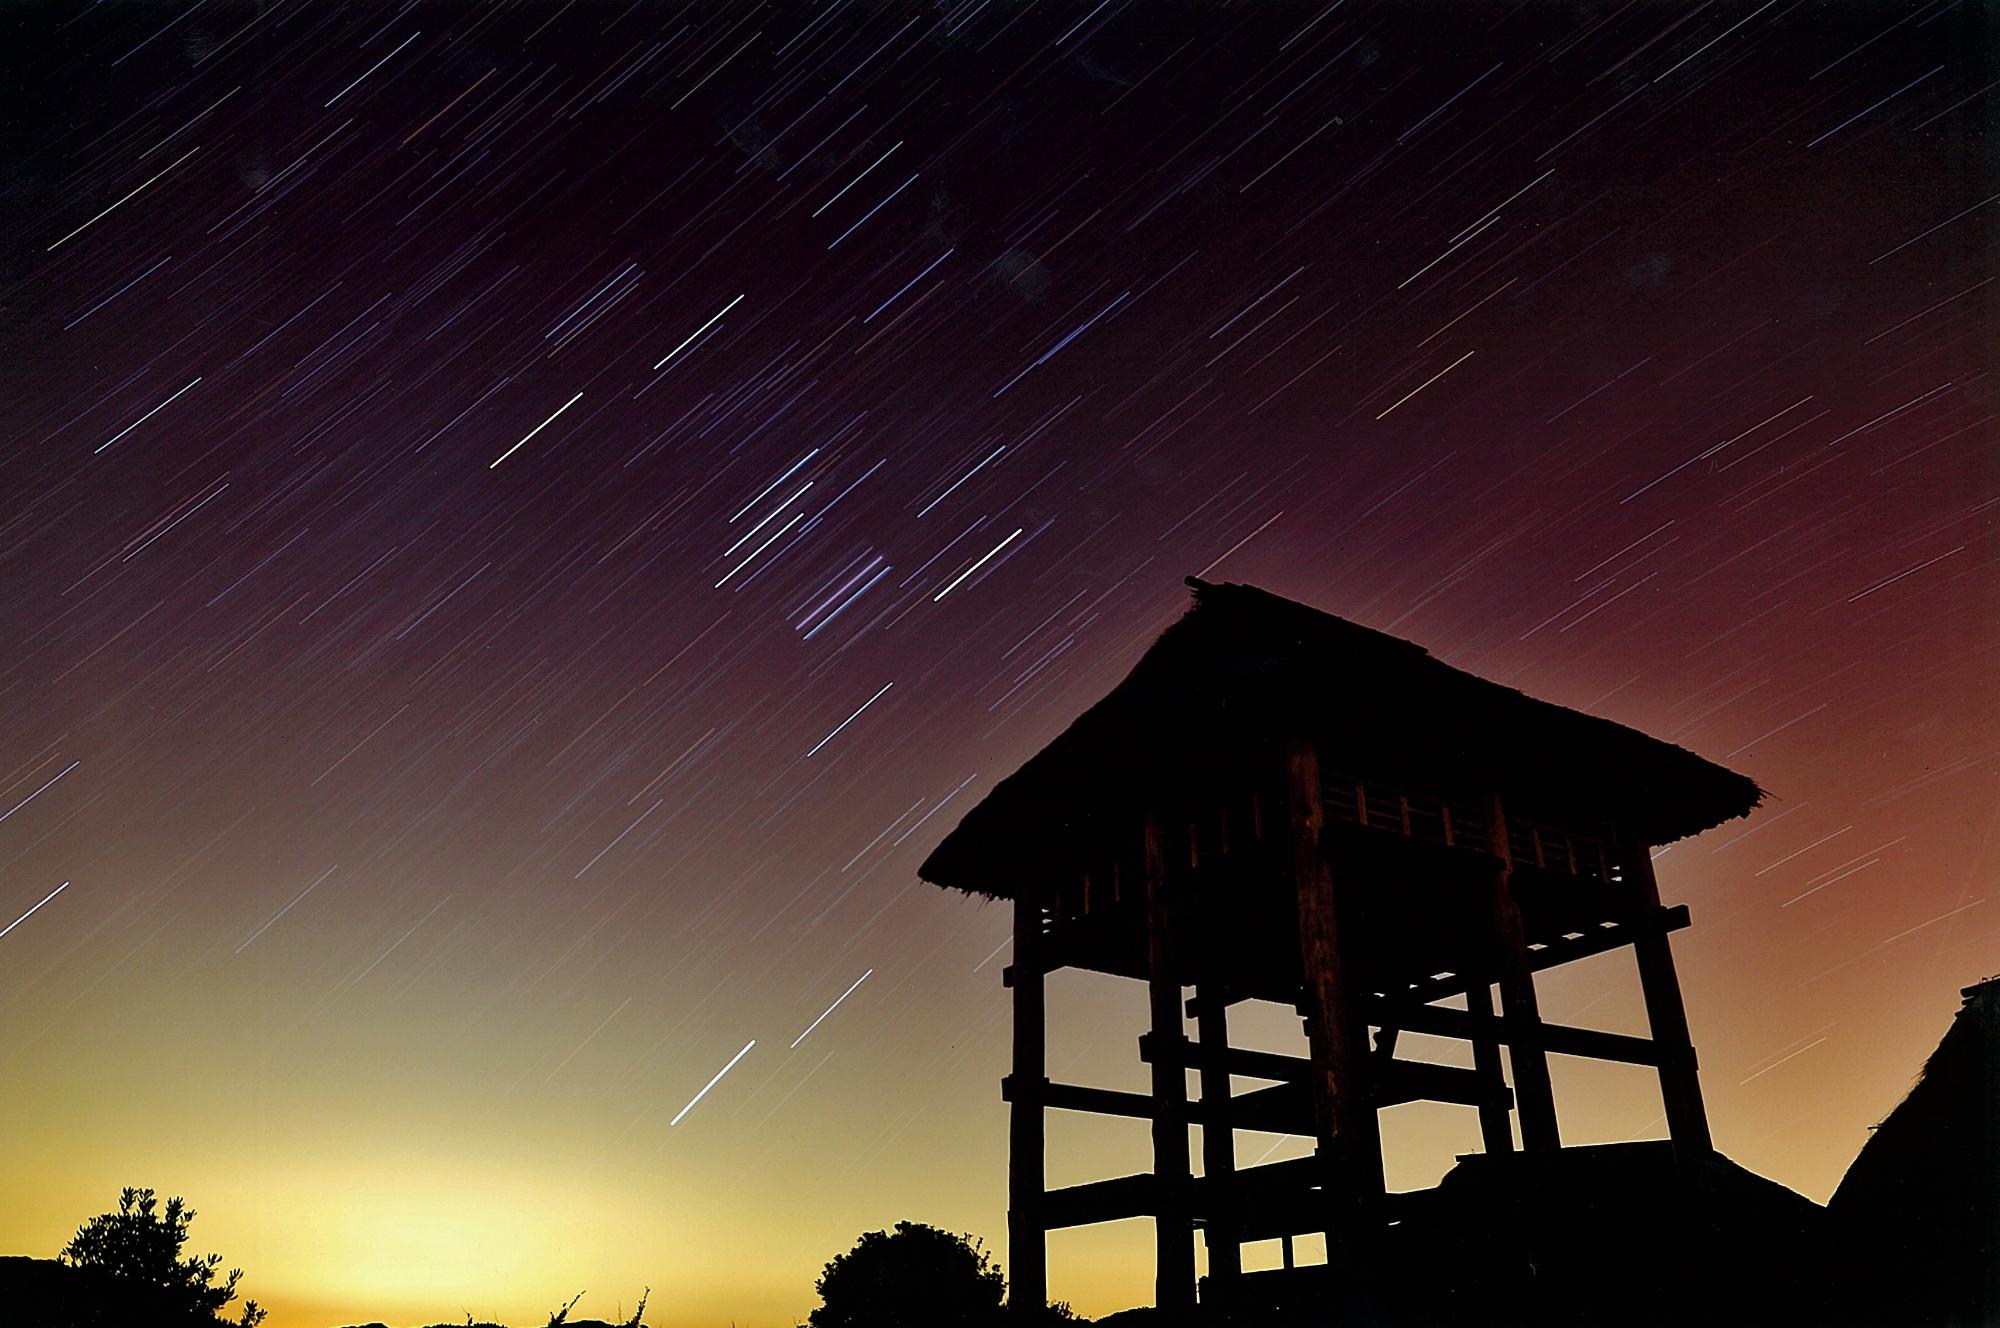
x: 1090, y: 944
x: 1284, y: 1110
x: 1027, y: 1241
x: 1101, y: 1201
x: 1173, y: 1223
x: 1561, y: 1039
x: 1666, y: 1014
x: 1437, y: 1021
x: 1279, y: 1109
x: 1280, y: 1199
x: 1239, y: 1060
x: 1526, y: 1052
x: 1596, y: 941
x: 1218, y: 1151
x: 1421, y: 1081
x: 1496, y: 1128
x: 1082, y: 1097
x: 1346, y: 1128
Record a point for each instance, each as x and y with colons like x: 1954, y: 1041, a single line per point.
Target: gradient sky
x: 523, y: 523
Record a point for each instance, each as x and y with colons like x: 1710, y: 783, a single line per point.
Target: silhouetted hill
x: 567, y: 1323
x: 1923, y: 1198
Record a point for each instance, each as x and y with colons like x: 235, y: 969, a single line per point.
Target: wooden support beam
x: 1350, y: 1146
x: 1027, y: 1239
x: 1285, y: 1109
x: 1218, y: 1153
x: 1173, y: 1222
x: 1082, y: 1097
x: 1422, y: 1081
x: 1468, y: 1025
x: 1533, y: 1092
x: 1272, y: 1199
x: 1435, y: 1020
x: 1596, y: 941
x: 1275, y: 1110
x: 1666, y: 1013
x: 1279, y: 1199
x: 1496, y: 1126
x: 1239, y: 1060
x: 1101, y: 1201
x: 1082, y: 944
x: 1279, y: 1109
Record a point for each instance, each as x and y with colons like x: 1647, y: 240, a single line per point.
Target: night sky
x: 523, y: 523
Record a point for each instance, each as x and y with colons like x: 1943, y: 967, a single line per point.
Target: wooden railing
x: 1462, y: 824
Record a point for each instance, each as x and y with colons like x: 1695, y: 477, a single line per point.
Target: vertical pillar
x: 1344, y: 1120
x: 1680, y: 1082
x: 1173, y: 1223
x: 1496, y: 1129
x: 1027, y: 1233
x: 1218, y: 1147
x: 1534, y: 1095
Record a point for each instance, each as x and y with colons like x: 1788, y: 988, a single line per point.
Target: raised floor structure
x: 1281, y: 805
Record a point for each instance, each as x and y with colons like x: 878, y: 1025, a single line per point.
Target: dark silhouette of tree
x: 915, y: 1277
x: 142, y: 1244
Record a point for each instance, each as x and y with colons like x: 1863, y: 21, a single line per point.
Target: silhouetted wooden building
x: 1281, y: 805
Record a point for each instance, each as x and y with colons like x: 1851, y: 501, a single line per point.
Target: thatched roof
x: 1244, y: 671
x: 1923, y: 1196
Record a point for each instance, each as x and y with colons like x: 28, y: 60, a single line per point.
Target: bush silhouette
x: 915, y: 1277
x: 142, y: 1245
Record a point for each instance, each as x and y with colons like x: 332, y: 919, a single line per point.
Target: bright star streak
x: 830, y: 1009
x: 851, y: 718
x: 976, y: 566
x: 1428, y: 381
x: 121, y: 202
x: 532, y: 432
x: 713, y: 1082
x: 65, y: 885
x: 372, y: 68
x: 698, y: 331
x: 39, y: 792
x: 143, y: 418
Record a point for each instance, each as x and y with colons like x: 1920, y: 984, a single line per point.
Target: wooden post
x: 1027, y: 1233
x: 1218, y: 1147
x: 1534, y: 1095
x: 1344, y: 1120
x: 1173, y: 1224
x: 1496, y: 1128
x: 1680, y: 1082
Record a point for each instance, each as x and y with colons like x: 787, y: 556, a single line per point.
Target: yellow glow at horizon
x: 364, y: 1179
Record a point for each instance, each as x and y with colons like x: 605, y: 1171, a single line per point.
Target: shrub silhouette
x: 143, y: 1245
x: 916, y: 1277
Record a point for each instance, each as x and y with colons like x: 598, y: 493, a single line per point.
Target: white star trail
x: 713, y: 1082
x: 830, y: 1009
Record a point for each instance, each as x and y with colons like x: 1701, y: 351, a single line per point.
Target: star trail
x: 524, y: 522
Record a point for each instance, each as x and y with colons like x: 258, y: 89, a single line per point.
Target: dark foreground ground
x: 1589, y: 1237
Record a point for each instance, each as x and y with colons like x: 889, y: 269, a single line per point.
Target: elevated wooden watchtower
x: 1281, y: 805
